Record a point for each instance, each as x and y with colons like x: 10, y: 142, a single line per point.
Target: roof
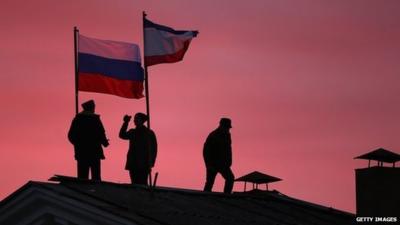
x: 258, y: 178
x: 160, y: 206
x: 381, y: 155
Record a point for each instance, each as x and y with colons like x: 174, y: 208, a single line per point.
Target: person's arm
x: 123, y: 133
x: 72, y: 132
x: 104, y: 140
x: 208, y: 151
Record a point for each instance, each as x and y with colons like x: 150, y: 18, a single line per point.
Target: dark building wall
x: 378, y: 191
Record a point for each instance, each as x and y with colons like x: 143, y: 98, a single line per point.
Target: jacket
x: 217, y: 150
x: 87, y: 134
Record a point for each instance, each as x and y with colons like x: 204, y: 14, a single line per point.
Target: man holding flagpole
x: 142, y: 151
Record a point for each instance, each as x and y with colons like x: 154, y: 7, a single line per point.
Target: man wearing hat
x: 217, y: 153
x: 87, y: 134
x: 142, y: 151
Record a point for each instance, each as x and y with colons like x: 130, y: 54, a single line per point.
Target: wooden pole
x: 146, y: 76
x: 76, y: 33
x: 146, y: 83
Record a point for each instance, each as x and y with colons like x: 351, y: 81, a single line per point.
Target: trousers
x: 85, y: 165
x: 139, y: 176
x: 226, y: 173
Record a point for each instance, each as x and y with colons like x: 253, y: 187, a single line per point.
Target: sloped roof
x: 161, y: 206
x: 381, y: 155
x: 258, y: 178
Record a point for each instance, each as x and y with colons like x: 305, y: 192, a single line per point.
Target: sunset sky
x: 308, y: 85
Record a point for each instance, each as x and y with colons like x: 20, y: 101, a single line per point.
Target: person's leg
x: 210, y: 178
x: 139, y: 176
x: 132, y: 176
x: 142, y: 176
x: 95, y: 169
x: 83, y: 169
x: 229, y: 179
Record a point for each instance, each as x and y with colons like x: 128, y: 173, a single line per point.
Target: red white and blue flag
x: 164, y: 44
x: 109, y: 67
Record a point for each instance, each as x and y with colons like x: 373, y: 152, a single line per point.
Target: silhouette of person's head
x: 140, y: 118
x: 225, y: 124
x: 89, y: 106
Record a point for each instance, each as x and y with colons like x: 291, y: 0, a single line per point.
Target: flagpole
x: 76, y: 32
x: 146, y: 76
x: 146, y: 83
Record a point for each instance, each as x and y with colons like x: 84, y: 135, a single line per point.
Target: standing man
x: 88, y: 136
x: 217, y: 155
x: 142, y: 151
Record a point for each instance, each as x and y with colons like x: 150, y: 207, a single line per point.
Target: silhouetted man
x: 142, y: 151
x: 88, y: 136
x: 217, y: 155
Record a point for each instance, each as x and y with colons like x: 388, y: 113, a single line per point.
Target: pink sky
x: 308, y: 84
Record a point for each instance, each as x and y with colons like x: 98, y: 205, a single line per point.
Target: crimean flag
x: 164, y: 44
x: 109, y: 67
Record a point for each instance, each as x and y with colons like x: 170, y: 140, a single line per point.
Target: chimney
x: 378, y: 187
x: 257, y: 178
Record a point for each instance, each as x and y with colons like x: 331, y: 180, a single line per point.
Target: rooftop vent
x: 381, y: 156
x: 256, y: 178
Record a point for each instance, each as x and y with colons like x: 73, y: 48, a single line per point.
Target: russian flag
x: 164, y: 44
x: 109, y: 67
